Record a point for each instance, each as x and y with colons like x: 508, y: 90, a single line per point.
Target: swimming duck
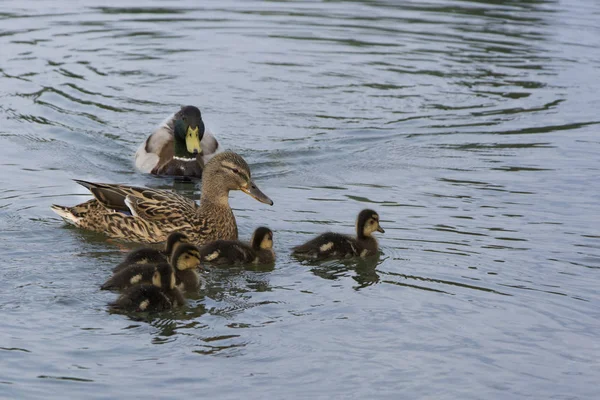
x: 180, y: 146
x: 186, y: 261
x: 161, y: 295
x: 335, y: 245
x: 230, y: 252
x: 150, y: 215
x: 149, y: 255
x: 138, y: 274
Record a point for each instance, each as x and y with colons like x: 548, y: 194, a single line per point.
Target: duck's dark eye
x: 236, y: 170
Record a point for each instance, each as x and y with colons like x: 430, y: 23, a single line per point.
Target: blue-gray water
x: 471, y: 126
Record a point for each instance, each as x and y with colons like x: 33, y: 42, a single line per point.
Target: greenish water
x: 472, y: 127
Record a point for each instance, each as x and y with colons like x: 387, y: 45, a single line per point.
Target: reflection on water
x: 363, y: 271
x: 470, y: 126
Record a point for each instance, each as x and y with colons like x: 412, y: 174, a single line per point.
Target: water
x: 471, y: 126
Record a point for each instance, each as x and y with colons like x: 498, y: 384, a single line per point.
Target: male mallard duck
x: 335, y: 245
x: 150, y: 215
x: 161, y: 295
x: 229, y: 252
x: 149, y: 255
x: 180, y: 146
x: 184, y: 261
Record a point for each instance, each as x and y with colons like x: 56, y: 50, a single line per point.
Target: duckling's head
x: 164, y: 276
x: 229, y: 171
x: 173, y: 240
x: 189, y: 130
x: 262, y: 239
x: 186, y: 256
x: 367, y: 223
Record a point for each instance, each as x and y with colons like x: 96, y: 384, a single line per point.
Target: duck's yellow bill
x: 192, y: 141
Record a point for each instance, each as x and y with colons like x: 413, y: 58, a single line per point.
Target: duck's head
x: 164, y: 276
x: 188, y: 131
x: 229, y: 171
x: 367, y: 223
x: 262, y: 239
x: 173, y: 240
x: 186, y: 256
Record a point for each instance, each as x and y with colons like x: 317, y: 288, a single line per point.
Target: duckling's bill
x: 252, y: 190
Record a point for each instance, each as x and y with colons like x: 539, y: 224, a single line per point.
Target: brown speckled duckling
x: 161, y: 295
x: 149, y: 255
x: 336, y: 245
x: 184, y: 262
x: 234, y: 252
x: 137, y: 274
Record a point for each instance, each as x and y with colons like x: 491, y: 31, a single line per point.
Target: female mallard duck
x: 149, y: 255
x: 161, y: 295
x: 150, y: 215
x: 229, y: 252
x: 180, y: 146
x: 184, y: 261
x: 335, y: 245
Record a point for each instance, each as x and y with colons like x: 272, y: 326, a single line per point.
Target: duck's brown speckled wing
x: 155, y: 213
x: 109, y: 195
x: 153, y: 205
x: 121, y: 226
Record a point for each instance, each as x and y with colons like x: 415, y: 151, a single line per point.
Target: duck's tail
x: 66, y: 214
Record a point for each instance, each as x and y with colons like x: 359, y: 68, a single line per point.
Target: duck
x: 336, y: 245
x: 184, y: 261
x: 234, y: 252
x: 138, y: 274
x: 161, y: 295
x: 145, y: 215
x: 150, y: 255
x: 180, y: 146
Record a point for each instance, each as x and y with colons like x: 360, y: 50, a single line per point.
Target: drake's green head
x: 189, y: 130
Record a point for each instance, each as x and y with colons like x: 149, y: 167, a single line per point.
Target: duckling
x: 161, y: 295
x: 229, y: 252
x: 180, y: 146
x: 149, y: 255
x: 137, y: 274
x: 146, y: 215
x: 335, y: 245
x: 184, y: 261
